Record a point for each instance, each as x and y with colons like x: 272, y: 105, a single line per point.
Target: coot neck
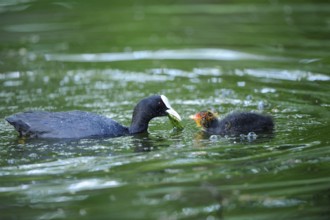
x: 140, y: 122
x: 140, y: 118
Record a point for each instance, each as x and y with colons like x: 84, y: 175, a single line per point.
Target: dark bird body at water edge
x: 234, y: 124
x: 79, y: 124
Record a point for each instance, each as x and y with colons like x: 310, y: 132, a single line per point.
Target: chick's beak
x: 197, y: 118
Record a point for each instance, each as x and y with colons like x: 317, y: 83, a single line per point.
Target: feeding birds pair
x: 79, y: 124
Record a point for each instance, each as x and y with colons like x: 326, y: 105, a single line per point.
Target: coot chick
x: 79, y: 124
x: 234, y: 124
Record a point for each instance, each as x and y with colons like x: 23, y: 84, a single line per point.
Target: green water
x: 104, y: 56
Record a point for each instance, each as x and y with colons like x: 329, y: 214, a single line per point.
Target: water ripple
x: 179, y: 54
x: 91, y: 184
x: 51, y: 168
x: 290, y: 75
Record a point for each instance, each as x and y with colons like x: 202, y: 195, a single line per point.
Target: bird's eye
x: 205, y: 122
x: 209, y: 114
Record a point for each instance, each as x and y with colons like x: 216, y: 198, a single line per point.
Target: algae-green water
x: 104, y: 56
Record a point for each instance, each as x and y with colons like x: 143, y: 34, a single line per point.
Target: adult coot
x: 234, y: 124
x: 79, y: 124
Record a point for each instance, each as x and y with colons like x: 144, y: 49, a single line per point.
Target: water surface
x: 103, y: 57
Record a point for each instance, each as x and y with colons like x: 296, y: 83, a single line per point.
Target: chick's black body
x: 79, y: 124
x: 235, y: 124
x: 242, y: 123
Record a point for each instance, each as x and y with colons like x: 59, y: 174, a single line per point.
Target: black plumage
x: 234, y: 124
x: 79, y: 124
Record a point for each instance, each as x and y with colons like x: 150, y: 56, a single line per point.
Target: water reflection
x: 144, y: 143
x: 250, y: 138
x: 25, y: 151
x: 178, y: 54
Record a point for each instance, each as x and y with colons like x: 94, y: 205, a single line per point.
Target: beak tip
x: 173, y: 113
x: 196, y: 118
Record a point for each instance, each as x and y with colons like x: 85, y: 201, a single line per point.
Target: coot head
x: 149, y: 108
x: 204, y: 119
